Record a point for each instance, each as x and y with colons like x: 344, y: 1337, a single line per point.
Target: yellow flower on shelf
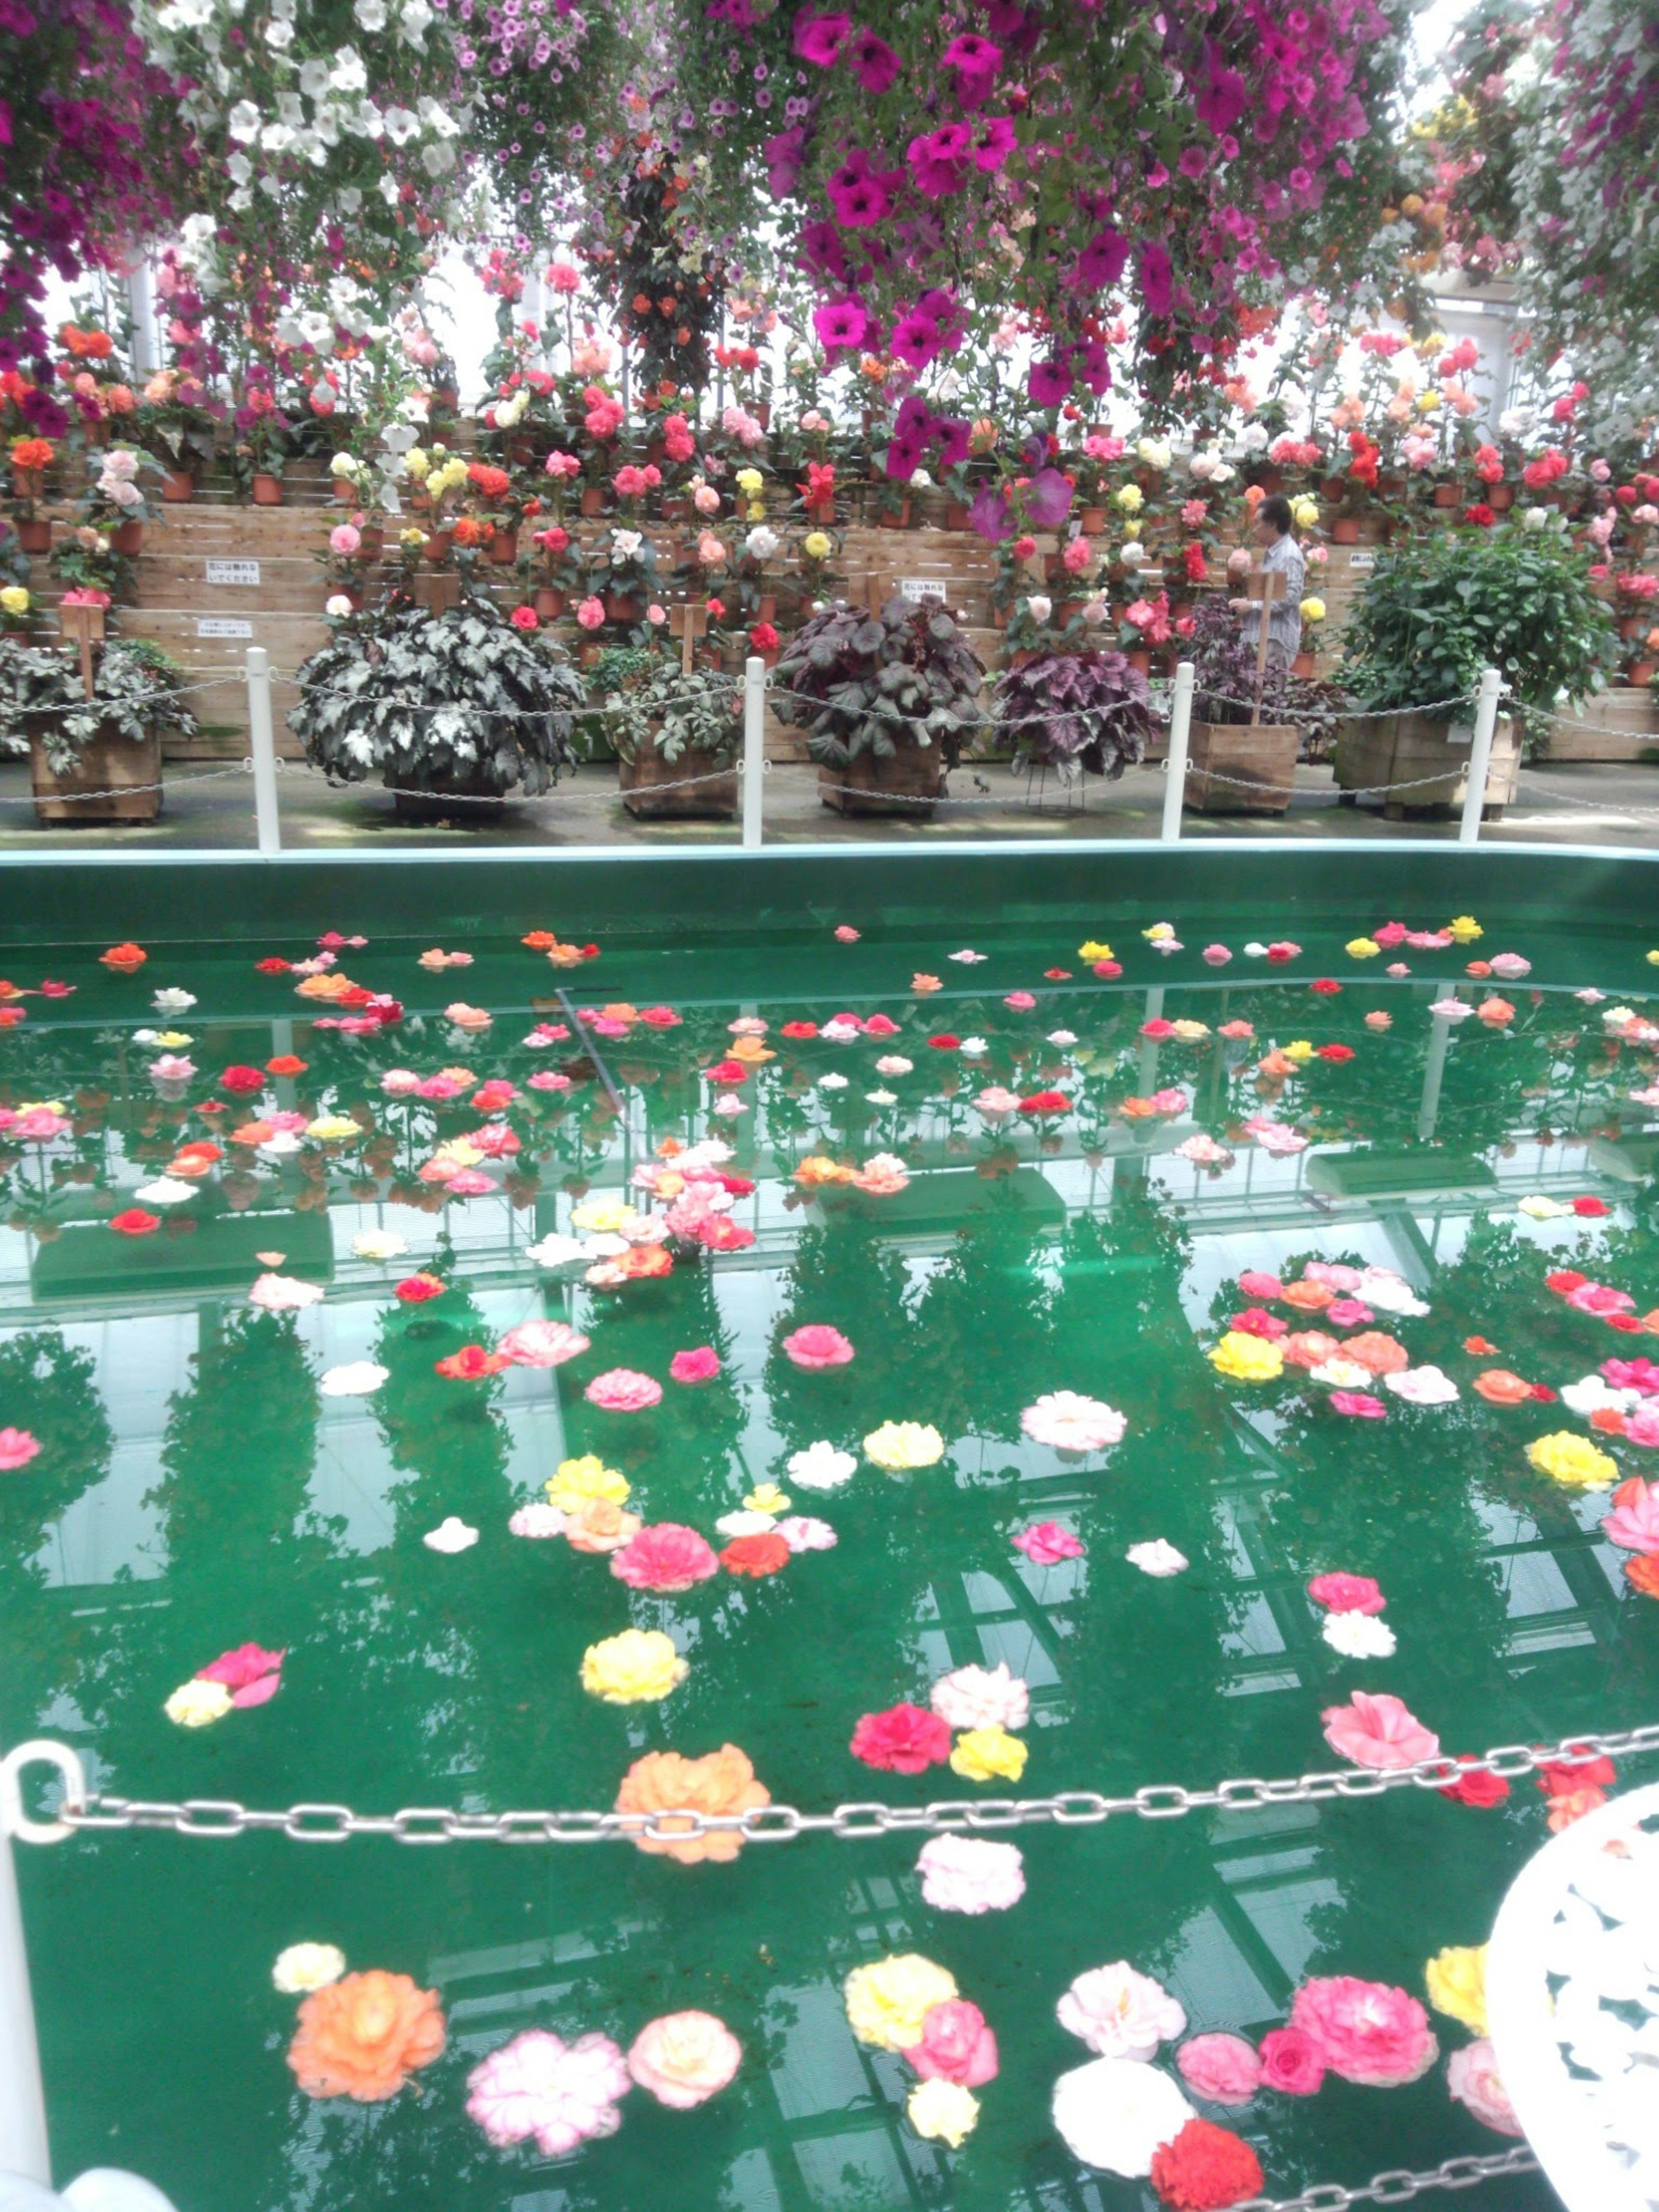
x: 1130, y: 498
x: 944, y: 2111
x: 1362, y: 948
x: 1093, y: 951
x: 634, y: 1668
x: 749, y: 482
x: 602, y: 1217
x: 15, y: 600
x: 1312, y: 610
x: 1298, y: 1049
x: 989, y: 1754
x: 1464, y: 929
x: 901, y: 1445
x: 1455, y: 1979
x: 1573, y: 1461
x: 579, y: 1481
x: 331, y: 1127
x: 886, y: 1999
x: 815, y: 546
x: 1247, y: 1358
x: 1305, y: 512
x: 196, y: 1704
x: 766, y: 1497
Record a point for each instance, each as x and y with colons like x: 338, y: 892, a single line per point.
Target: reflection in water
x: 196, y: 1490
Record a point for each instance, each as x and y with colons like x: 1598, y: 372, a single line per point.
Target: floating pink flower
x: 1118, y: 2013
x: 1221, y: 2067
x: 1349, y: 1313
x: 702, y: 1365
x: 804, y: 1531
x: 818, y: 1345
x: 963, y: 1874
x: 1216, y: 956
x: 1252, y: 1284
x: 623, y: 1390
x: 1378, y: 1731
x: 1597, y: 1298
x: 683, y: 2058
x: 251, y: 1674
x: 468, y: 1182
x: 543, y: 1343
x: 1473, y: 2080
x: 1291, y: 2062
x: 996, y: 1103
x: 1360, y: 1404
x: 560, y: 2093
x: 664, y: 1556
x: 1365, y: 2031
x: 548, y: 1080
x: 1046, y: 1543
x: 905, y: 1739
x: 1341, y: 1593
x: 1020, y: 1002
x: 956, y: 2044
x: 1633, y: 1523
x: 17, y: 1449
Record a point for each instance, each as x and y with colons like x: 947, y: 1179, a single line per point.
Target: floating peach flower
x: 1633, y: 1523
x: 472, y: 1364
x: 1068, y: 1422
x: 1499, y: 1386
x: 1473, y: 2079
x: 921, y: 983
x: 665, y: 1557
x: 1309, y: 1348
x: 1045, y: 1543
x: 846, y: 934
x: 1308, y: 1296
x: 683, y: 2058
x: 1496, y: 1013
x: 542, y: 1344
x: 363, y: 2037
x: 1377, y: 1731
x: 963, y: 1874
x: 623, y: 1390
x: 721, y: 1783
x: 1379, y: 1020
x: 126, y: 959
x: 599, y: 1525
x: 17, y: 1449
x: 818, y: 1345
x: 1376, y: 1353
x: 1365, y: 2031
x: 539, y: 2086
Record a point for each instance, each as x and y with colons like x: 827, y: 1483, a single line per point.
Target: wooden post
x: 83, y: 626
x: 1267, y: 585
x: 687, y: 623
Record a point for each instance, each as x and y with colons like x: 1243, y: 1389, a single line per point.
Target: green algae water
x: 198, y: 1488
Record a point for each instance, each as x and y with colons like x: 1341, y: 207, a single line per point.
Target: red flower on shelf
x: 726, y: 1070
x: 1327, y: 986
x: 135, y: 1222
x: 1589, y: 1209
x: 1337, y: 1053
x: 798, y: 1031
x: 1046, y: 1101
x: 286, y: 1064
x: 242, y: 1078
x: 945, y: 1042
x: 906, y: 1739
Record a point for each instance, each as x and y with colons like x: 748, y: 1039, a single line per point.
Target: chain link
x: 327, y: 1823
x: 1397, y: 2186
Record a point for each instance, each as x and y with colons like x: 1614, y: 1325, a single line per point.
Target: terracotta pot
x: 764, y: 413
x: 587, y: 654
x: 447, y: 396
x: 1018, y: 659
x: 371, y: 544
x: 1344, y: 530
x: 766, y: 607
x: 956, y: 515
x: 823, y: 511
x: 1499, y: 497
x: 548, y: 603
x: 437, y: 542
x: 503, y: 547
x: 624, y: 606
x: 1303, y: 664
x: 1390, y: 487
x: 35, y: 535
x: 592, y: 499
x: 267, y: 489
x: 346, y: 493
x: 656, y: 451
x: 1141, y: 659
x: 1641, y: 672
x: 1447, y: 495
x: 127, y: 537
x: 29, y: 484
x: 1000, y: 617
x: 1636, y: 625
x: 178, y: 486
x: 437, y: 594
x: 1091, y: 521
x: 890, y: 518
x: 1270, y: 478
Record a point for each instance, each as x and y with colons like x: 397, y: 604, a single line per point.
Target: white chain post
x: 1181, y: 723
x: 1486, y: 722
x: 24, y: 2146
x: 754, y: 751
x: 262, y: 745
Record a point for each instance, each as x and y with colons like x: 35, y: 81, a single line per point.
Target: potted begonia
x: 676, y: 733
x: 179, y: 428
x: 1432, y: 616
x: 622, y: 575
x: 1245, y: 733
x: 30, y: 458
x: 887, y: 699
x: 466, y: 705
x: 1074, y: 712
x: 97, y: 758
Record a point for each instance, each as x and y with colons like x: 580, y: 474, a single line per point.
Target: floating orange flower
x: 665, y: 1782
x: 600, y: 1525
x: 126, y: 959
x: 1309, y: 1347
x: 539, y: 940
x: 330, y: 985
x: 1308, y: 1297
x: 1479, y: 1347
x: 922, y: 984
x: 286, y: 1063
x: 363, y: 2037
x: 1609, y: 1419
x: 1499, y: 1386
x: 253, y: 1133
x: 472, y: 1364
x: 817, y: 1169
x: 1381, y: 1354
x: 571, y: 956
x: 1137, y: 1109
x: 751, y: 1050
x: 1643, y: 1573
x: 755, y: 1555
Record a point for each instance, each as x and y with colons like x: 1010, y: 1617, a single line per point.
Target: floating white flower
x: 1113, y: 2114
x: 1421, y: 1386
x: 1119, y: 2013
x: 378, y: 1245
x: 1358, y: 1635
x: 1389, y: 1293
x: 982, y: 1697
x: 1159, y: 1557
x: 967, y: 958
x: 821, y: 1466
x: 536, y: 1520
x: 284, y: 1294
x: 305, y: 1966
x: 882, y: 1097
x: 354, y: 1379
x: 1060, y: 1037
x: 832, y: 1081
x: 743, y: 1522
x: 894, y: 1063
x: 1069, y: 1422
x: 1537, y: 1208
x: 451, y: 1534
x: 173, y: 1001
x: 558, y: 1252
x: 166, y: 1190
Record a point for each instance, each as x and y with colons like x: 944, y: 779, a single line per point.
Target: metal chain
x: 1398, y: 2186
x: 497, y: 799
x: 1594, y: 805
x: 1348, y: 713
x: 243, y: 767
x: 311, y: 1822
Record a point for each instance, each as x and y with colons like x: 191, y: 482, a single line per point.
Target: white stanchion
x: 263, y: 747
x: 754, y: 751
x: 1486, y: 722
x: 23, y: 2146
x: 1181, y: 723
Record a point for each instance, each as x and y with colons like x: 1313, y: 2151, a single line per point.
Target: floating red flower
x: 135, y: 1222
x: 1481, y: 1790
x: 1206, y: 2167
x: 272, y: 967
x: 906, y: 1739
x: 1046, y: 1101
x: 242, y: 1078
x: 755, y: 1555
x: 286, y: 1063
x: 472, y: 1364
x: 1337, y: 1053
x: 415, y: 1290
x: 797, y: 1031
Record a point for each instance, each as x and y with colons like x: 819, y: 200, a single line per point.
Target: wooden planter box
x: 905, y: 782
x: 1259, y: 763
x: 642, y: 777
x: 111, y: 773
x: 1618, y: 725
x: 1411, y: 749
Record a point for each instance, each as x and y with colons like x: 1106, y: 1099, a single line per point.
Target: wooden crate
x: 1258, y: 762
x: 1619, y: 725
x: 905, y: 782
x: 1430, y: 756
x: 113, y: 780
x: 642, y: 780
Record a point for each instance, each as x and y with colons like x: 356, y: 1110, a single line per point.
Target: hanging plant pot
x: 127, y: 537
x: 267, y: 489
x: 1500, y: 497
x: 1447, y: 495
x: 548, y: 603
x: 1344, y: 530
x: 446, y: 397
x: 1635, y: 625
x: 29, y: 484
x: 1270, y: 478
x: 35, y: 536
x: 503, y: 548
x: 1140, y: 658
x: 822, y: 512
x: 592, y: 499
x: 346, y: 491
x: 656, y: 449
x: 178, y: 486
x: 353, y: 595
x: 113, y: 781
x: 641, y: 779
x: 766, y: 607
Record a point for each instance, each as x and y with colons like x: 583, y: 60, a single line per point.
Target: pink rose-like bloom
x: 251, y: 1674
x: 1222, y: 2068
x: 905, y: 1739
x: 1341, y: 1593
x: 1633, y: 1523
x: 1217, y: 956
x: 1021, y: 1002
x: 665, y: 1556
x: 1349, y: 1313
x: 804, y: 1531
x: 1377, y: 1730
x: 996, y: 1103
x: 1597, y: 1298
x: 344, y: 540
x: 818, y: 1345
x: 1293, y: 2062
x: 1118, y: 2013
x: 623, y: 1390
x: 548, y: 1080
x: 1360, y: 1404
x: 846, y: 934
x: 683, y: 2058
x: 1366, y: 2031
x: 963, y: 1873
x: 1473, y: 2078
x: 956, y: 2044
x: 1046, y: 1543
x: 468, y: 1182
x: 560, y: 2093
x: 591, y: 614
x: 1252, y: 1284
x: 400, y: 1082
x: 701, y: 1364
x: 17, y: 1449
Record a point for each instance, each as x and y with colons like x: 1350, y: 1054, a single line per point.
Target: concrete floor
x: 1562, y: 805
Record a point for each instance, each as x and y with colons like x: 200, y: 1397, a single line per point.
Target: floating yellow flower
x: 944, y: 2111
x: 331, y: 1127
x: 1653, y: 959
x: 1455, y: 1979
x: 1131, y: 498
x: 1189, y: 1032
x: 634, y: 1668
x: 168, y: 1040
x: 898, y: 1445
x: 885, y: 2001
x: 1157, y: 932
x: 1299, y: 1050
x: 602, y: 1216
x: 1247, y: 1358
x: 1092, y: 950
x: 989, y: 1754
x: 1362, y: 948
x: 1573, y: 1461
x: 815, y: 546
x: 1312, y: 608
x: 766, y: 1497
x: 195, y: 1703
x: 579, y: 1480
x: 1464, y: 929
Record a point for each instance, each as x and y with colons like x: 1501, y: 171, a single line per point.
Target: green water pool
x: 198, y: 1488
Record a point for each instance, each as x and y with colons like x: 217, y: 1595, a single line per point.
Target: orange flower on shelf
x: 1643, y: 1573
x: 363, y: 2036
x: 125, y: 957
x: 539, y: 940
x: 286, y: 1063
x: 33, y: 453
x: 817, y: 1170
x: 666, y: 1782
x: 472, y: 1364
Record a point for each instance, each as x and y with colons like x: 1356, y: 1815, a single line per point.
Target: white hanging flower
x: 437, y: 160
x: 414, y: 23
x: 314, y: 78
x: 243, y: 122
x: 370, y: 13
x: 348, y: 74
x: 279, y: 36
